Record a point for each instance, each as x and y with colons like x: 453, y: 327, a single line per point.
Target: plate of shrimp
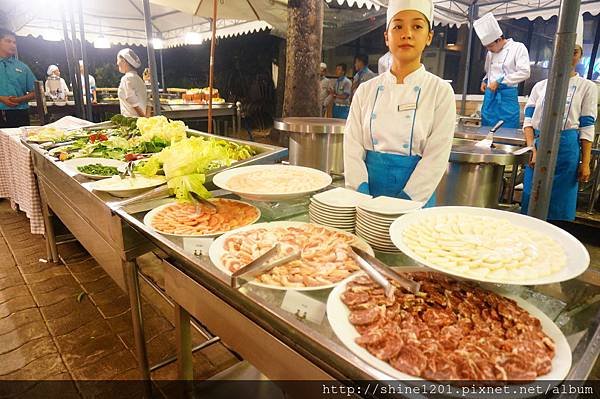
x: 324, y: 254
x: 186, y: 219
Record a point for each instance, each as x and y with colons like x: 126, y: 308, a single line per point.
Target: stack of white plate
x: 374, y: 218
x: 336, y: 208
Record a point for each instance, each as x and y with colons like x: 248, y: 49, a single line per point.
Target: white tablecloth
x: 17, y: 180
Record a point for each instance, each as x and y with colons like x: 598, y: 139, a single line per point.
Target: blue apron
x: 503, y: 104
x: 388, y: 173
x: 563, y: 197
x: 340, y: 111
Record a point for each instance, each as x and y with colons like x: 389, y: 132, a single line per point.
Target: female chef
x: 56, y: 87
x: 506, y: 65
x: 132, y: 89
x: 399, y: 132
x: 575, y: 139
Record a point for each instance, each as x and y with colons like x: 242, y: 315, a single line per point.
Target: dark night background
x: 242, y: 67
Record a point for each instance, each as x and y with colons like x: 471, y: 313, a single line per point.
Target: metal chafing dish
x: 315, y: 142
x: 474, y: 175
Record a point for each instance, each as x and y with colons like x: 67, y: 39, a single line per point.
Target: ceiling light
x: 101, y: 42
x: 158, y: 43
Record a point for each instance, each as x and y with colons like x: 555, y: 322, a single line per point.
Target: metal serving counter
x: 199, y: 111
x: 269, y: 328
x: 259, y: 323
x: 90, y: 218
x: 502, y: 136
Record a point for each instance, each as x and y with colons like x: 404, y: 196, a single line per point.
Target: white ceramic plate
x: 376, y: 217
x: 578, y: 258
x: 390, y: 206
x: 334, y: 218
x: 373, y: 224
x: 332, y: 224
x: 341, y: 198
x: 318, y: 205
x: 337, y: 314
x: 126, y: 187
x: 72, y: 164
x: 222, y: 180
x: 217, y: 250
x: 149, y: 217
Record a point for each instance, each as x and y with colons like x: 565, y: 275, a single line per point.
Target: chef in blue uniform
x: 506, y: 65
x: 399, y: 132
x: 576, y: 137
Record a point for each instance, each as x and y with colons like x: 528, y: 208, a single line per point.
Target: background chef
x: 132, y: 89
x: 56, y: 86
x: 576, y: 138
x: 506, y: 65
x: 399, y: 133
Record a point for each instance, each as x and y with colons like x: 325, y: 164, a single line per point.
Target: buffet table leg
x: 513, y: 182
x: 51, y: 247
x: 184, y: 344
x: 133, y: 287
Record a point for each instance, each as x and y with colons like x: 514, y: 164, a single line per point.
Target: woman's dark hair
x: 6, y: 32
x: 362, y: 58
x: 343, y: 66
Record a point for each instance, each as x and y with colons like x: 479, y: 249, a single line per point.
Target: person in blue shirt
x: 362, y: 71
x: 341, y: 92
x: 16, y: 84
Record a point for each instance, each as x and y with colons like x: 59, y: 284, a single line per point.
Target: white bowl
x: 129, y: 186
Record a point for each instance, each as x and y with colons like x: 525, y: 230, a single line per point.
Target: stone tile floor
x: 73, y: 323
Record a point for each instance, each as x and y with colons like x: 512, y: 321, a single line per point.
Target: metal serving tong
x: 260, y: 266
x: 489, y: 139
x: 128, y: 170
x: 380, y: 273
x: 202, y: 201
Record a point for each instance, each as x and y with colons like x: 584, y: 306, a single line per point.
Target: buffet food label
x: 197, y: 245
x: 304, y: 307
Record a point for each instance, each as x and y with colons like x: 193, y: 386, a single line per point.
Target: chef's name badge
x: 197, y: 246
x: 407, y: 107
x: 303, y: 307
x: 18, y: 70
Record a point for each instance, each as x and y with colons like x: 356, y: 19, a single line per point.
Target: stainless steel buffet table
x: 259, y: 323
x: 269, y: 328
x: 502, y: 136
x: 90, y: 217
x: 227, y: 111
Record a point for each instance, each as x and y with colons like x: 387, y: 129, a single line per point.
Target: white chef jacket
x: 581, y: 109
x: 385, y: 63
x: 92, y: 84
x: 434, y: 122
x: 63, y: 87
x: 509, y: 66
x: 342, y: 85
x: 132, y: 93
x: 325, y: 85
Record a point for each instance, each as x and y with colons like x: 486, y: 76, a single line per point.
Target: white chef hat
x: 579, y: 39
x: 488, y: 29
x: 425, y: 7
x: 130, y: 57
x: 51, y: 69
x: 323, y: 65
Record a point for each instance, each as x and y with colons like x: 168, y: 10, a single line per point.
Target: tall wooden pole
x: 304, y: 44
x: 211, y: 71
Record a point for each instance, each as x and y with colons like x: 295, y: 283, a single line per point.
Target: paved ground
x: 73, y: 323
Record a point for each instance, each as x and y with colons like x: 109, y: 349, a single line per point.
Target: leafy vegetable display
x: 131, y: 136
x: 185, y: 163
x: 98, y: 170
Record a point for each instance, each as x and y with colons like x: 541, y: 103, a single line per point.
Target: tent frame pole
x: 594, y: 49
x: 86, y: 77
x: 554, y: 105
x: 71, y: 62
x: 473, y: 12
x: 162, y: 71
x: 77, y: 92
x: 151, y: 58
x: 211, y: 73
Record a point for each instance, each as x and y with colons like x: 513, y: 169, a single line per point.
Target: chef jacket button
x: 373, y: 116
x: 405, y: 146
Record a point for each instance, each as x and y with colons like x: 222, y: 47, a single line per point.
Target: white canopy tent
x: 120, y: 22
